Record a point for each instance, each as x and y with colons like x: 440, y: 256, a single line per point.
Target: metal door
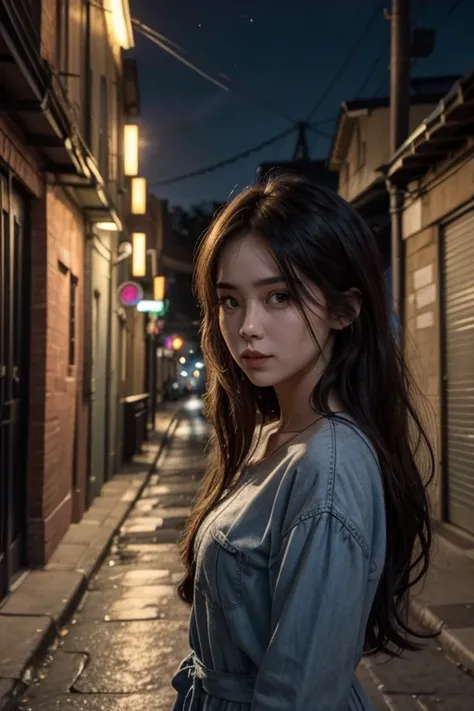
x: 459, y: 370
x: 14, y: 325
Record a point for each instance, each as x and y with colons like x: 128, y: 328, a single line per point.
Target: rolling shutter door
x: 459, y: 322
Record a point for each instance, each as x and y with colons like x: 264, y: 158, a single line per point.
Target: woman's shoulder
x: 338, y: 473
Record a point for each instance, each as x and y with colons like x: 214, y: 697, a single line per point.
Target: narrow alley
x: 130, y: 630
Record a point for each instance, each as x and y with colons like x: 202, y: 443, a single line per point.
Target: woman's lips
x: 256, y: 361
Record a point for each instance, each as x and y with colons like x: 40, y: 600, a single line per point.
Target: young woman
x: 312, y: 522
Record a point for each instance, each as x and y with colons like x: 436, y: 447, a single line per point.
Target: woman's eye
x: 279, y: 297
x: 228, y: 302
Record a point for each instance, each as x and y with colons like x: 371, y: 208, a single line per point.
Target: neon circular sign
x: 130, y: 293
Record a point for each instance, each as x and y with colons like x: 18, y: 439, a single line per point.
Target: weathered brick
x: 59, y: 231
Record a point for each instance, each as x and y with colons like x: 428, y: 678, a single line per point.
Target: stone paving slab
x: 150, y: 602
x: 46, y: 593
x: 107, y: 702
x: 128, y: 657
x: 428, y: 673
x: 19, y: 636
x: 57, y: 676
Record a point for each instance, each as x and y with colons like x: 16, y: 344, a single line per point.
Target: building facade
x: 361, y: 145
x: 64, y: 99
x: 435, y: 169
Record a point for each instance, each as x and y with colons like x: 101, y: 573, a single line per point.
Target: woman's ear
x: 339, y: 321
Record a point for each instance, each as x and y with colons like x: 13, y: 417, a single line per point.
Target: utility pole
x: 399, y: 127
x: 301, y: 152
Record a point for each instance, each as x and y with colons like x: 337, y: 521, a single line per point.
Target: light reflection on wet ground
x: 130, y: 631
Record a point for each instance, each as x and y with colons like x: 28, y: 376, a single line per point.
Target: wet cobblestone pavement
x: 130, y: 631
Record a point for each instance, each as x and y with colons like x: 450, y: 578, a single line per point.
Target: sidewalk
x: 32, y: 616
x: 120, y: 648
x: 446, y: 602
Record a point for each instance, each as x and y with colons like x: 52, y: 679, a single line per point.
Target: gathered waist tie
x: 193, y: 678
x: 224, y: 685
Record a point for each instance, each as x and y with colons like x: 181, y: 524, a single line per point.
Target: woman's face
x: 264, y: 331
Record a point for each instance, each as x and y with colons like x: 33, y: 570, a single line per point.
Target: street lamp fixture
x: 139, y: 254
x: 109, y: 226
x: 159, y: 285
x: 139, y: 190
x: 130, y: 150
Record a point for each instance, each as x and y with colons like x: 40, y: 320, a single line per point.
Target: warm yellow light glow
x: 110, y: 226
x: 159, y: 283
x: 130, y: 150
x: 120, y: 19
x: 139, y: 254
x: 196, y: 374
x: 177, y: 343
x: 138, y: 196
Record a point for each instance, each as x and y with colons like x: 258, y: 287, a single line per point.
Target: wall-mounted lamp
x: 139, y: 189
x: 139, y: 254
x: 130, y: 150
x: 125, y: 250
x: 159, y: 286
x: 110, y: 226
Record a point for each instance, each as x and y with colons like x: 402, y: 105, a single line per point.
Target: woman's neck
x: 294, y: 399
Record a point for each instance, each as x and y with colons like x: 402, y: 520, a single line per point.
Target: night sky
x: 285, y: 52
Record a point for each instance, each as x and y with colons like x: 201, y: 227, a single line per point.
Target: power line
x: 227, y: 161
x: 385, y: 48
x: 346, y: 61
x: 169, y: 47
x: 222, y: 81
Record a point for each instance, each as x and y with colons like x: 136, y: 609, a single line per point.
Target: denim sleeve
x: 319, y: 581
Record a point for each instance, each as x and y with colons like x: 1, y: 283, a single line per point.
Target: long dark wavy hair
x: 315, y: 236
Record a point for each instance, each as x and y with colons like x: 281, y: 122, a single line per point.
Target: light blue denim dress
x: 287, y: 569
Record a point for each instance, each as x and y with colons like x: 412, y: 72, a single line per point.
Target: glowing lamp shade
x: 110, y: 226
x: 139, y: 254
x: 139, y: 196
x: 159, y: 284
x: 130, y: 150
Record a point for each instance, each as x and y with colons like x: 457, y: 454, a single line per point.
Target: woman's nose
x: 252, y: 325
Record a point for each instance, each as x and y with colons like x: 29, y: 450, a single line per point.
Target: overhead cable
x: 346, y: 61
x: 221, y: 80
x: 227, y: 161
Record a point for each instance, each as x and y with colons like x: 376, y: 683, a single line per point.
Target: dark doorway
x: 14, y: 330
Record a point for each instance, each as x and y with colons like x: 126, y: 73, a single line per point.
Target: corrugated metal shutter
x: 459, y: 303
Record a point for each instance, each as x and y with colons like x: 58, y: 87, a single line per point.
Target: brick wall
x: 56, y: 387
x: 422, y: 342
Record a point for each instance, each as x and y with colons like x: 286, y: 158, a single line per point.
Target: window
x: 72, y: 319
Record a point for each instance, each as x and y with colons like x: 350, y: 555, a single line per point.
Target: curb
x: 9, y: 701
x: 447, y: 639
